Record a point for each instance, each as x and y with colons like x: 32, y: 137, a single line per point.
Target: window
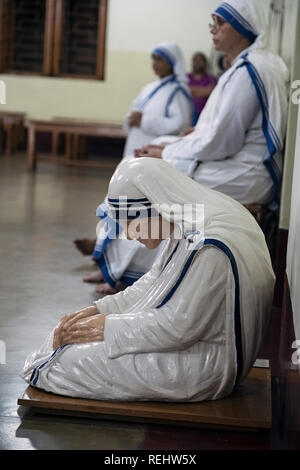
x: 62, y: 38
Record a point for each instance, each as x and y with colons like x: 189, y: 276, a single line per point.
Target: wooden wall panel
x: 28, y: 35
x: 78, y: 54
x: 64, y: 38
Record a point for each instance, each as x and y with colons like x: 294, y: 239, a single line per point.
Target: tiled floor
x: 41, y: 280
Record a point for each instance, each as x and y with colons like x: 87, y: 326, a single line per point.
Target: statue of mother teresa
x: 188, y: 330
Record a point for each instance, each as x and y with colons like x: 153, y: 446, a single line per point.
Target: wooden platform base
x: 249, y: 408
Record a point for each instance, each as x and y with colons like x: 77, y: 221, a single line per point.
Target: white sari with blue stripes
x: 152, y: 349
x: 167, y: 109
x: 188, y: 330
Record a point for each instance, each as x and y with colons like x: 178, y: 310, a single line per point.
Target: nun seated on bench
x: 188, y: 330
x: 236, y: 145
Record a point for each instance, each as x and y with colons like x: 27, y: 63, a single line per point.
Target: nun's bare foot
x: 96, y: 276
x: 106, y: 289
x: 85, y: 245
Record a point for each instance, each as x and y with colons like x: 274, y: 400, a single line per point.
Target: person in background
x: 163, y: 106
x: 223, y: 64
x: 200, y: 82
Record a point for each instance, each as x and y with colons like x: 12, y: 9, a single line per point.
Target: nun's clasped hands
x: 85, y: 326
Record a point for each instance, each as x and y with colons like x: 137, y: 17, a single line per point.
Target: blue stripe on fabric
x: 171, y: 256
x: 112, y: 228
x: 129, y: 205
x: 237, y: 318
x: 239, y: 17
x: 153, y: 92
x: 262, y: 89
x: 98, y: 252
x: 273, y: 144
x: 134, y: 273
x: 186, y: 95
x: 37, y: 369
x: 103, y: 264
x: 99, y: 249
x: 195, y: 115
x: 130, y: 209
x: 128, y: 278
x: 165, y: 55
x: 134, y: 213
x: 275, y: 136
x: 183, y: 272
x: 125, y: 200
x: 233, y: 17
x: 101, y: 214
x: 131, y: 279
x: 237, y: 312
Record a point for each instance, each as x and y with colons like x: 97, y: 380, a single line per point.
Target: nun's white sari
x: 188, y: 330
x: 166, y: 104
x: 166, y: 109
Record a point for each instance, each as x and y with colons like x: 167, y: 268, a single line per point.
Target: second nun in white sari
x: 188, y: 330
x: 163, y: 106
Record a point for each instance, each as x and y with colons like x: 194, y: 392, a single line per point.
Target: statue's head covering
x: 148, y: 187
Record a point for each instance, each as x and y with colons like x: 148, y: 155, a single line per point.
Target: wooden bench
x: 13, y: 125
x: 73, y: 129
x: 249, y: 408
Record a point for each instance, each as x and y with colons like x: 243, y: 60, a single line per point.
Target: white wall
x: 293, y: 254
x: 290, y: 52
x: 138, y: 25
